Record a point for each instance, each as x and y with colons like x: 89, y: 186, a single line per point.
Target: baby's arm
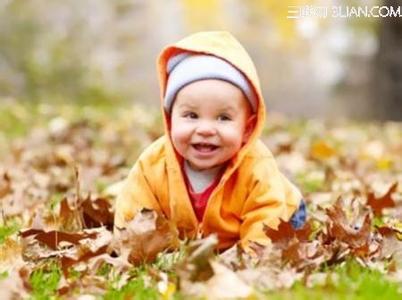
x: 271, y: 198
x: 135, y: 195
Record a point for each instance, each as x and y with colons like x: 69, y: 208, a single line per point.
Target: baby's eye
x: 190, y: 115
x: 224, y: 118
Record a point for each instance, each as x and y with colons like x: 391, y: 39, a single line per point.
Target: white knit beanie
x: 186, y: 68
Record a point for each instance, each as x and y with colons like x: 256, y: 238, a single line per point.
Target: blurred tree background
x: 99, y: 51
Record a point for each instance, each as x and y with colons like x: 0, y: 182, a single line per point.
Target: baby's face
x: 210, y: 121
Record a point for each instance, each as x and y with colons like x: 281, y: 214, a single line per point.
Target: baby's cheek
x: 180, y: 138
x: 235, y: 138
x: 182, y: 133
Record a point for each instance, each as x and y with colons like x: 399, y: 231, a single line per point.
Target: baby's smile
x: 205, y: 149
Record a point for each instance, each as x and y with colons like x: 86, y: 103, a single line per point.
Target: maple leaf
x: 295, y: 245
x: 286, y: 232
x: 385, y: 201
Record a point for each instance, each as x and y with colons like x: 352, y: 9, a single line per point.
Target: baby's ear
x: 250, y: 125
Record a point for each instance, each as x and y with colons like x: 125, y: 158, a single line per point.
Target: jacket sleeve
x: 271, y: 198
x: 136, y: 193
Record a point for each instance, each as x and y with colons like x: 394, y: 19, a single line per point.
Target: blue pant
x: 299, y: 217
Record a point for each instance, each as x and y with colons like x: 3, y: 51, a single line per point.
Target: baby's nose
x: 206, y: 128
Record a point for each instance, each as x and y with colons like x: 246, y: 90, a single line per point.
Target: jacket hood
x: 223, y: 45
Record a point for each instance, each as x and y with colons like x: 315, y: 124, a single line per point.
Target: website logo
x: 315, y: 11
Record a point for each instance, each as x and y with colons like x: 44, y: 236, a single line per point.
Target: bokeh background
x: 99, y: 51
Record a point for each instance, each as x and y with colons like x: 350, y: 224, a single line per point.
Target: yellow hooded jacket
x: 251, y: 192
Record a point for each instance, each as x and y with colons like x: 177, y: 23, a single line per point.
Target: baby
x: 210, y: 171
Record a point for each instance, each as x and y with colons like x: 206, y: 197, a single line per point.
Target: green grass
x: 348, y: 281
x: 135, y: 289
x: 167, y: 261
x: 3, y: 275
x: 55, y: 200
x: 14, y: 122
x: 44, y: 281
x: 19, y: 118
x: 8, y: 229
x: 144, y: 278
x: 354, y: 282
x: 309, y: 184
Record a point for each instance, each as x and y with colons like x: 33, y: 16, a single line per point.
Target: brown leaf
x: 88, y: 248
x: 145, y: 236
x: 286, y: 232
x: 385, y: 201
x: 97, y: 212
x: 67, y: 262
x: 302, y: 255
x: 84, y: 245
x: 389, y: 230
x: 53, y: 238
x: 71, y: 214
x: 349, y: 232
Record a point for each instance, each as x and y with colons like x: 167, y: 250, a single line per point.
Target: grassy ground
x: 348, y: 280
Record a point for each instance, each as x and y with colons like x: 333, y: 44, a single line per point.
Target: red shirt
x: 199, y: 200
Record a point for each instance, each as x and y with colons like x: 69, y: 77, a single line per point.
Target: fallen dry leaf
x: 97, y: 212
x: 285, y: 233
x: 53, y: 238
x: 348, y: 231
x: 145, y: 236
x: 385, y: 201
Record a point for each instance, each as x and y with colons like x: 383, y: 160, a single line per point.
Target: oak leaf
x: 385, y: 201
x: 148, y: 234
